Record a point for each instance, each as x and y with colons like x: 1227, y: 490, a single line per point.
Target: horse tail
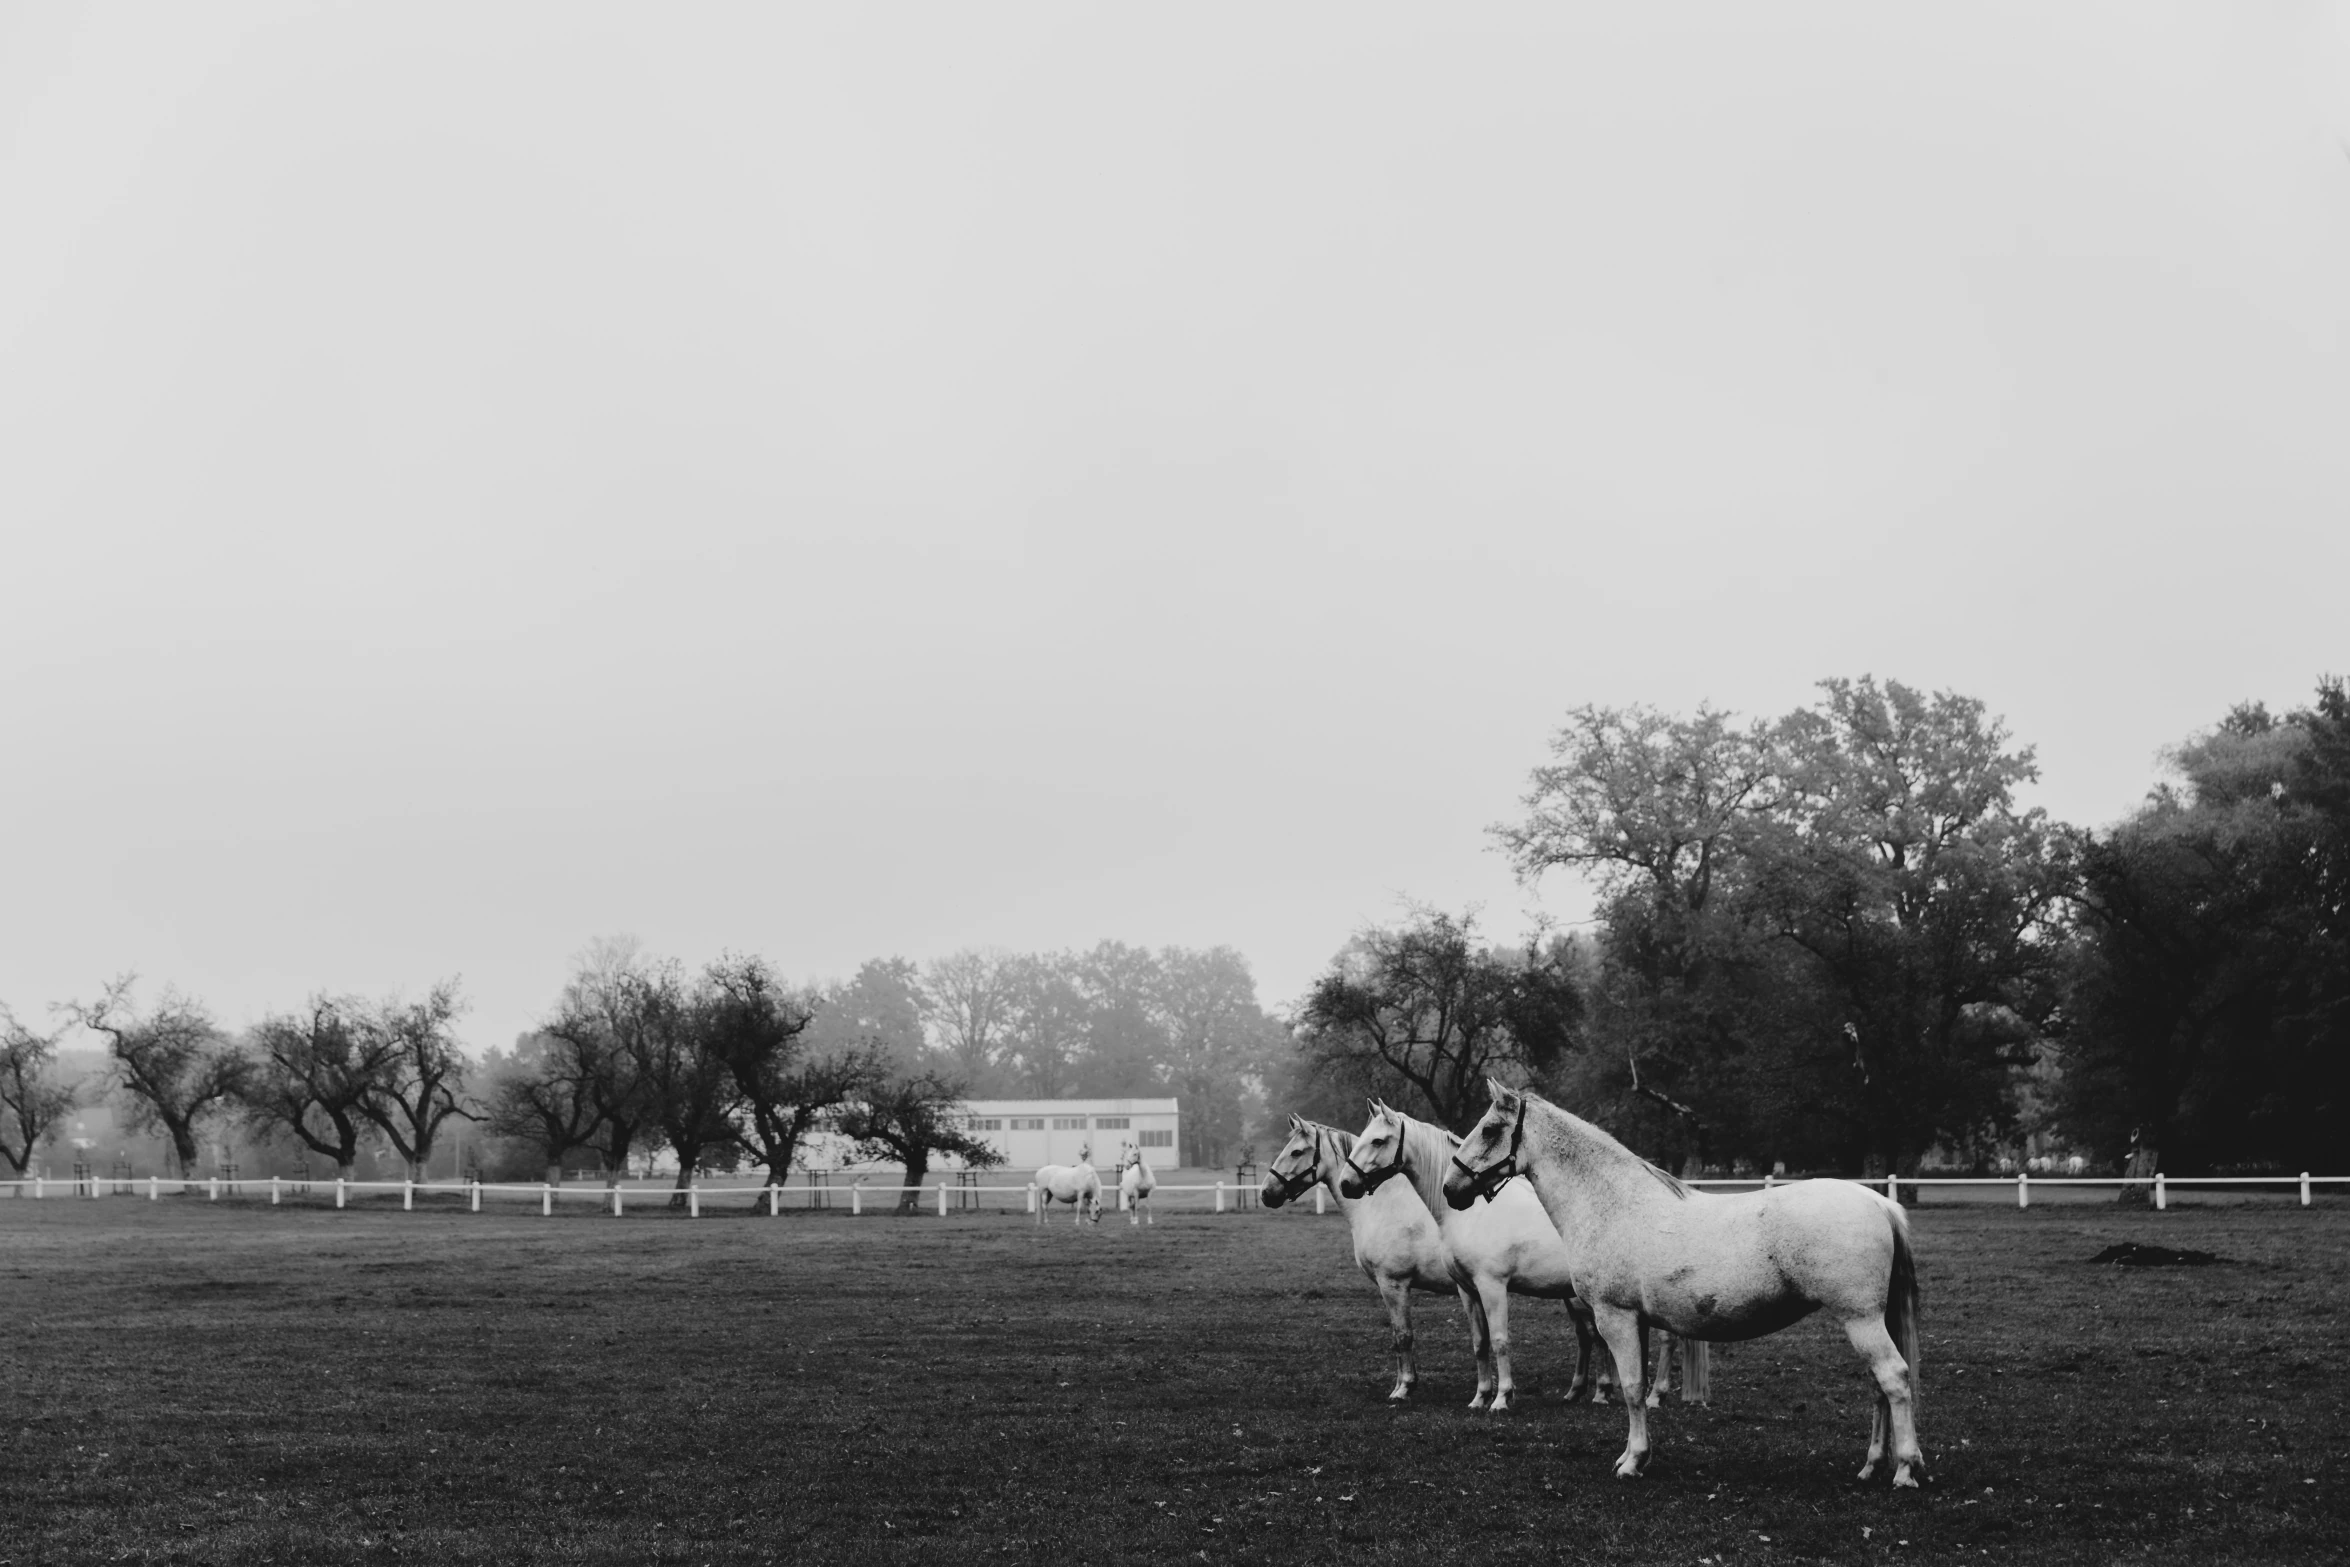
x: 1697, y: 1371
x: 1901, y: 1300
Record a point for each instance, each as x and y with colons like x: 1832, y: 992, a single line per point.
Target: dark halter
x: 1373, y: 1179
x: 1491, y: 1179
x: 1290, y: 1187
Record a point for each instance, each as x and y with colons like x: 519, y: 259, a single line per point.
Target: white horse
x: 1650, y: 1252
x: 1396, y: 1243
x: 1135, y: 1185
x: 1078, y: 1185
x: 1498, y: 1248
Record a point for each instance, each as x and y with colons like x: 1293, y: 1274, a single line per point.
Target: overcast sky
x: 866, y: 481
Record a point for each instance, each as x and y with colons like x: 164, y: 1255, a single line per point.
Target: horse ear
x: 1297, y: 1123
x: 1503, y: 1094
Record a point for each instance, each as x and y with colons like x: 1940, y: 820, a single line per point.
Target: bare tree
x: 593, y: 1022
x: 971, y: 997
x: 424, y: 1073
x: 174, y: 1065
x: 314, y: 1074
x: 31, y: 1099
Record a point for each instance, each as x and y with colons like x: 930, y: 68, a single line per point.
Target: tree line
x: 722, y: 1067
x: 1836, y: 941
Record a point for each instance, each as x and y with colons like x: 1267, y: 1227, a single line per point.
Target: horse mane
x: 1604, y: 1142
x: 1426, y: 1148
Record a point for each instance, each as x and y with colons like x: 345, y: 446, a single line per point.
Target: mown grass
x: 191, y: 1382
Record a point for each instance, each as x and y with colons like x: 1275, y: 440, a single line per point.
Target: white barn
x: 1033, y: 1132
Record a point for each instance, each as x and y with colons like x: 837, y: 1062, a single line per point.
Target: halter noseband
x: 1289, y: 1186
x: 1491, y: 1179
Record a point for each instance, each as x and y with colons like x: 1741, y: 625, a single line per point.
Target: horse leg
x: 1662, y: 1383
x: 1625, y: 1340
x: 1580, y: 1315
x: 1495, y: 1297
x: 1397, y: 1296
x: 1480, y: 1344
x: 1895, y: 1415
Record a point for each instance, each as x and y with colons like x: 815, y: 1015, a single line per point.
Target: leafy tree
x: 1927, y: 902
x: 1048, y: 1025
x: 1217, y: 1043
x: 538, y: 1095
x: 907, y: 1120
x: 31, y: 1099
x: 882, y: 1005
x: 314, y: 1074
x: 1835, y: 936
x: 1125, y: 1031
x: 690, y: 1087
x: 174, y: 1066
x: 758, y: 1028
x: 1431, y: 1011
x: 2208, y: 1005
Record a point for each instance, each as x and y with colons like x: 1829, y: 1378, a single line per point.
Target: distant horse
x: 1497, y: 1248
x: 1078, y: 1185
x: 1135, y: 1185
x: 1649, y: 1251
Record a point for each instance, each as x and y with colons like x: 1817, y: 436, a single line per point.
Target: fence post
x: 615, y: 1200
x: 338, y: 1191
x: 408, y: 1195
x: 38, y: 1186
x: 942, y: 1199
x: 213, y: 1187
x: 1031, y: 1197
x: 1219, y: 1196
x: 2304, y: 1188
x: 546, y: 1199
x: 2161, y: 1199
x: 2023, y: 1188
x: 1319, y: 1192
x: 273, y: 1189
x: 693, y: 1199
x: 856, y: 1202
x: 477, y: 1194
x: 1892, y: 1186
x: 154, y: 1188
x: 774, y: 1201
x: 1770, y: 1179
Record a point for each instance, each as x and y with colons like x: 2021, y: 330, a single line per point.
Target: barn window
x: 1068, y: 1123
x: 987, y: 1123
x: 1158, y: 1139
x: 1110, y: 1123
x: 1026, y: 1123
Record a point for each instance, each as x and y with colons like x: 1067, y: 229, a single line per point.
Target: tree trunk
x: 2138, y: 1176
x: 183, y: 1147
x: 917, y: 1166
x: 346, y: 1169
x: 554, y: 1172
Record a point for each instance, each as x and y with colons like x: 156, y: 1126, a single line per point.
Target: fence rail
x: 1229, y: 1195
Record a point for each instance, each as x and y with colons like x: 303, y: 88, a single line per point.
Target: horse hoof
x: 1654, y: 1401
x: 1902, y: 1477
x: 1402, y: 1392
x: 1628, y: 1467
x: 1499, y: 1406
x: 1868, y: 1471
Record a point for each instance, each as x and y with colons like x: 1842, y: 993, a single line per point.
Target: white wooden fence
x: 1228, y: 1195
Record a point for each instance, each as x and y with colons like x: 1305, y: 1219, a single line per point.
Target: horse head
x: 1489, y: 1155
x: 1377, y: 1155
x: 1295, y: 1168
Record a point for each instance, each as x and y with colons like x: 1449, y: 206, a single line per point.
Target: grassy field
x: 197, y: 1382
